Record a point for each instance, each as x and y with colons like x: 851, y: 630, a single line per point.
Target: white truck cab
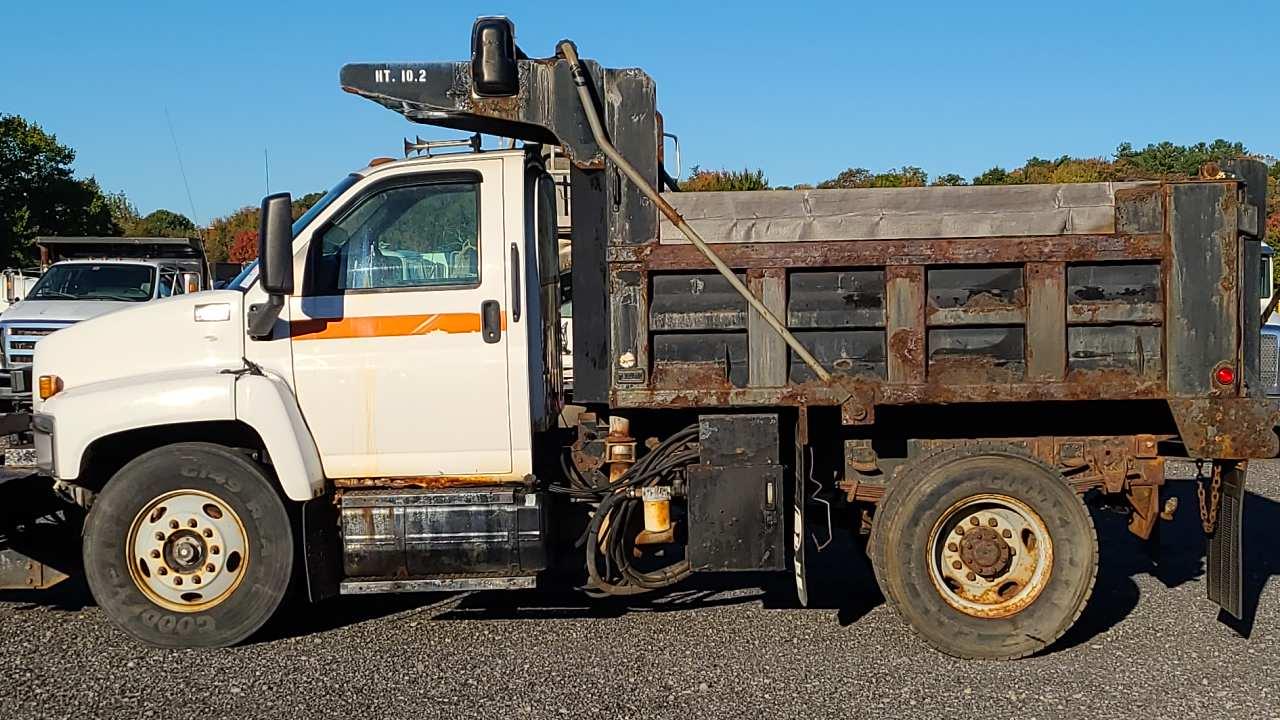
x: 419, y: 339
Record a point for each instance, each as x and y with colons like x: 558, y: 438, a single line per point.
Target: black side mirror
x: 275, y: 263
x: 494, y: 72
x: 275, y: 244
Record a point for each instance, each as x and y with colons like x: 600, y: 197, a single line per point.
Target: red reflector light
x: 1225, y: 375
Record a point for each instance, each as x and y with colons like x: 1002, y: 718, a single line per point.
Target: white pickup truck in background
x: 85, y: 277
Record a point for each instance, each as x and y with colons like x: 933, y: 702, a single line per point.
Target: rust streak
x: 426, y: 482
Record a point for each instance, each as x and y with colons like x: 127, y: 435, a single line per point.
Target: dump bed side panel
x: 912, y: 295
x: 936, y: 295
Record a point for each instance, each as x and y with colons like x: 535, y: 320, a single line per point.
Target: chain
x: 1209, y: 511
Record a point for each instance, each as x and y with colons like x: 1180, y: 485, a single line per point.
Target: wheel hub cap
x: 990, y: 556
x: 985, y: 552
x: 187, y: 550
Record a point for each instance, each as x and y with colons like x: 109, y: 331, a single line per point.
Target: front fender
x: 266, y: 404
x: 84, y: 414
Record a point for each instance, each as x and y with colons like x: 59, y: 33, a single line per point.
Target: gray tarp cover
x: 896, y: 213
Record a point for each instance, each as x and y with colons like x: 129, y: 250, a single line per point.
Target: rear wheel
x: 985, y: 552
x: 189, y: 545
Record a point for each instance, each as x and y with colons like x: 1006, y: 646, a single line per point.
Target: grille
x: 1270, y: 362
x: 20, y: 341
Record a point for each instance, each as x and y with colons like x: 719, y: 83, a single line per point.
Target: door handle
x: 490, y: 321
x: 515, y: 283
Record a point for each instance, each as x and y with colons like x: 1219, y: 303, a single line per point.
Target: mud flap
x: 321, y: 548
x: 1224, y: 560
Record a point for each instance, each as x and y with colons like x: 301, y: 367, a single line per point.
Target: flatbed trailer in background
x: 948, y: 373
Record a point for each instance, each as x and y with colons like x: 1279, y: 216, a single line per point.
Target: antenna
x: 266, y: 167
x: 174, y: 136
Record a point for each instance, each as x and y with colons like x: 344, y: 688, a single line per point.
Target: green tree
x: 164, y: 223
x: 123, y: 212
x: 854, y: 177
x: 39, y: 194
x: 995, y: 176
x: 949, y: 179
x: 305, y: 203
x: 1165, y: 159
x: 906, y: 176
x: 700, y: 180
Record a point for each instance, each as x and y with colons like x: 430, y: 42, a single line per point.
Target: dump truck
x: 947, y: 373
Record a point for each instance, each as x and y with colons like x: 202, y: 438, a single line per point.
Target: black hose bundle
x: 610, y: 536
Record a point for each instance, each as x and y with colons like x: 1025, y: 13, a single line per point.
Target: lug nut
x: 971, y: 577
x: 214, y: 550
x: 956, y: 564
x: 177, y: 580
x: 155, y: 554
x: 173, y: 524
x: 195, y: 579
x: 959, y: 531
x: 192, y: 522
x: 209, y: 567
x: 953, y: 547
x: 161, y: 571
x: 160, y: 536
x: 993, y: 522
x: 1007, y: 533
x: 974, y: 521
x: 208, y: 532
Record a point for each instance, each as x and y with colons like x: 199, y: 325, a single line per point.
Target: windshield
x: 250, y: 271
x: 96, y: 281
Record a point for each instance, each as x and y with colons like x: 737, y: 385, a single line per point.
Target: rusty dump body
x: 916, y: 296
x: 908, y: 297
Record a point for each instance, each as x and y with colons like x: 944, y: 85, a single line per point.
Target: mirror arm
x: 262, y: 317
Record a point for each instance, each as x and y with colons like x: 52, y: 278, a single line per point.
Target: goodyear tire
x: 189, y: 545
x: 984, y: 552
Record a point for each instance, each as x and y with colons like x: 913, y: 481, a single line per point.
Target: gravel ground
x: 1148, y: 645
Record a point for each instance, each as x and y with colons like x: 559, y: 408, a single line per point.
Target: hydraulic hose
x: 580, y: 79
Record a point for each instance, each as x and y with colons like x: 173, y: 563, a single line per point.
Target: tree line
x: 1157, y: 161
x: 40, y: 194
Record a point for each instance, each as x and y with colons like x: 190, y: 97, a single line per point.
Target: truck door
x: 399, y: 337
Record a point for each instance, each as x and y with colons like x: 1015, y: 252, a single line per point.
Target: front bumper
x: 15, y: 383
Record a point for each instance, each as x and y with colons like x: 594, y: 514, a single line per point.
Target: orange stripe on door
x: 386, y: 326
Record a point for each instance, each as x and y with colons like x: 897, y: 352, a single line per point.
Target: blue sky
x: 801, y: 90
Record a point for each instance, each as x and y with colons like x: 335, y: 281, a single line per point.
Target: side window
x: 402, y: 237
x: 168, y: 279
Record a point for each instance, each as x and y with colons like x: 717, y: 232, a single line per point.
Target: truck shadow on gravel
x: 840, y: 581
x: 1174, y: 556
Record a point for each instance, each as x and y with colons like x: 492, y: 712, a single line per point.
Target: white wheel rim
x: 187, y: 550
x: 990, y: 556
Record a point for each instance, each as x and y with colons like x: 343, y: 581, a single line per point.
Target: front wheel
x: 985, y: 552
x: 189, y: 545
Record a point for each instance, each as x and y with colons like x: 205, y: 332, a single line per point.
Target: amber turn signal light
x: 50, y: 385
